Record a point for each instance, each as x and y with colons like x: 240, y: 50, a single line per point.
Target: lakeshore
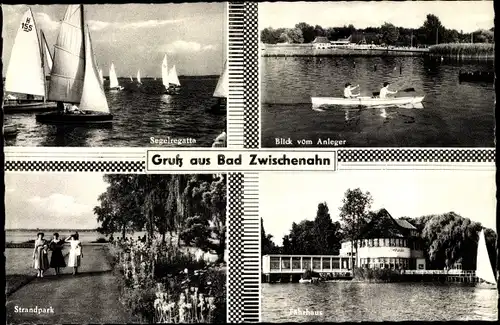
x: 458, y: 51
x: 301, y: 50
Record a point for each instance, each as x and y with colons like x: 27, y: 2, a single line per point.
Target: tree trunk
x: 123, y: 232
x: 163, y: 238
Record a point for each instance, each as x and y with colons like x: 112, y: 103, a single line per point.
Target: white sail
x: 66, y: 78
x: 25, y: 73
x: 113, y: 80
x: 93, y: 97
x: 46, y: 53
x: 101, y: 77
x: 222, y: 84
x: 131, y: 79
x: 172, y: 77
x: 139, y: 76
x: 164, y: 71
x: 483, y: 265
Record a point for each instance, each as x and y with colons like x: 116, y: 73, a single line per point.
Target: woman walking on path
x: 75, y: 252
x: 40, y: 259
x: 57, y: 258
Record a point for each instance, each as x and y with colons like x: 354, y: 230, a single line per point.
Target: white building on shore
x: 387, y: 243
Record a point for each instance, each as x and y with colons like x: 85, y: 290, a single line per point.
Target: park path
x: 90, y: 297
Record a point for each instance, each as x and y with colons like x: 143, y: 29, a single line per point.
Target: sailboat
x: 139, y: 77
x: 101, y: 77
x: 113, y: 80
x: 169, y: 78
x: 221, y: 92
x: 74, y: 76
x: 131, y: 79
x: 26, y: 70
x: 484, y: 271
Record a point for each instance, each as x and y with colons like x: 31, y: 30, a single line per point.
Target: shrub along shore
x: 464, y: 50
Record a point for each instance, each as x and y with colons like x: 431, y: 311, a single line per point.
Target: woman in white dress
x: 75, y: 252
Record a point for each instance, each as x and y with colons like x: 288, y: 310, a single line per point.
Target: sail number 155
x: 27, y: 26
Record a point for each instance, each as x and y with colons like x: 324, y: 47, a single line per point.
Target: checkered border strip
x: 251, y: 128
x: 416, y: 155
x: 251, y: 237
x: 75, y: 166
x: 235, y: 99
x: 235, y: 285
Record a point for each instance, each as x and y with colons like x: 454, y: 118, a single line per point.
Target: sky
x: 52, y: 200
x: 467, y: 16
x: 287, y: 197
x: 137, y: 36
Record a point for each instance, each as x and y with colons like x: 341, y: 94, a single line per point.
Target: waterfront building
x: 341, y: 42
x: 386, y: 242
x: 321, y: 42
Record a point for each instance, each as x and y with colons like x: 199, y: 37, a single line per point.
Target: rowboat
x: 365, y: 101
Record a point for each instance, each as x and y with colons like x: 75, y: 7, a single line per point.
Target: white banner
x: 176, y: 160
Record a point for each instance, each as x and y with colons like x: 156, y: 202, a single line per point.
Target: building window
x: 377, y: 242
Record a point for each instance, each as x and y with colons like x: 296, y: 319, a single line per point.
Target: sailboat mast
x: 83, y: 36
x: 41, y: 55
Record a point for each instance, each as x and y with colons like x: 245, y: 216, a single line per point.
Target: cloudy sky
x: 136, y: 36
x: 52, y: 200
x: 287, y: 198
x: 460, y: 15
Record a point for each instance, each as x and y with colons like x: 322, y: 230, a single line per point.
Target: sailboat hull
x: 484, y: 285
x: 219, y: 108
x: 11, y: 107
x: 64, y: 118
x: 116, y: 88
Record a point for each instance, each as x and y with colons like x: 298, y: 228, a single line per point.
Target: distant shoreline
x: 307, y: 50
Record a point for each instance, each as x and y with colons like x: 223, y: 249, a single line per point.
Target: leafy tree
x: 432, y: 29
x: 295, y: 35
x: 319, y: 31
x: 354, y: 214
x: 206, y: 206
x: 308, y: 32
x: 390, y: 34
x: 267, y: 245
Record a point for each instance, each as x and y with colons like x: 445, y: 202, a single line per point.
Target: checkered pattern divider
x: 235, y: 246
x: 251, y: 129
x: 75, y: 166
x: 416, y: 155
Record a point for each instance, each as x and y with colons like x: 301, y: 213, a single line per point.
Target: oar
x: 406, y: 90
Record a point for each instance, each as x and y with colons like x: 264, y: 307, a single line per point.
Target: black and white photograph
x: 124, y: 75
x: 377, y: 74
x: 398, y: 245
x: 123, y: 248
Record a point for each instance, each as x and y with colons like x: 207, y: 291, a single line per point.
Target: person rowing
x: 385, y: 91
x: 348, y: 91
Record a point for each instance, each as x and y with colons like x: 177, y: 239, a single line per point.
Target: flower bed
x: 164, y: 284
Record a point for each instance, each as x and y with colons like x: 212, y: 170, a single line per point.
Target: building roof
x: 405, y: 224
x: 358, y: 37
x: 383, y: 225
x: 321, y: 39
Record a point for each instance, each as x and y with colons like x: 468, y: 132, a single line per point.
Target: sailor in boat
x: 385, y: 91
x: 348, y: 91
x: 73, y: 109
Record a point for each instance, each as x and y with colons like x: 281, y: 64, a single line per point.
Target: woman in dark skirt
x: 57, y: 259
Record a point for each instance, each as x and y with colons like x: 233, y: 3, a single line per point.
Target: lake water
x: 20, y: 236
x: 353, y: 301
x: 453, y: 115
x: 139, y: 113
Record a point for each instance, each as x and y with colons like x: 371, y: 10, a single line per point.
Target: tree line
x: 190, y: 207
x: 431, y: 32
x: 446, y: 238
